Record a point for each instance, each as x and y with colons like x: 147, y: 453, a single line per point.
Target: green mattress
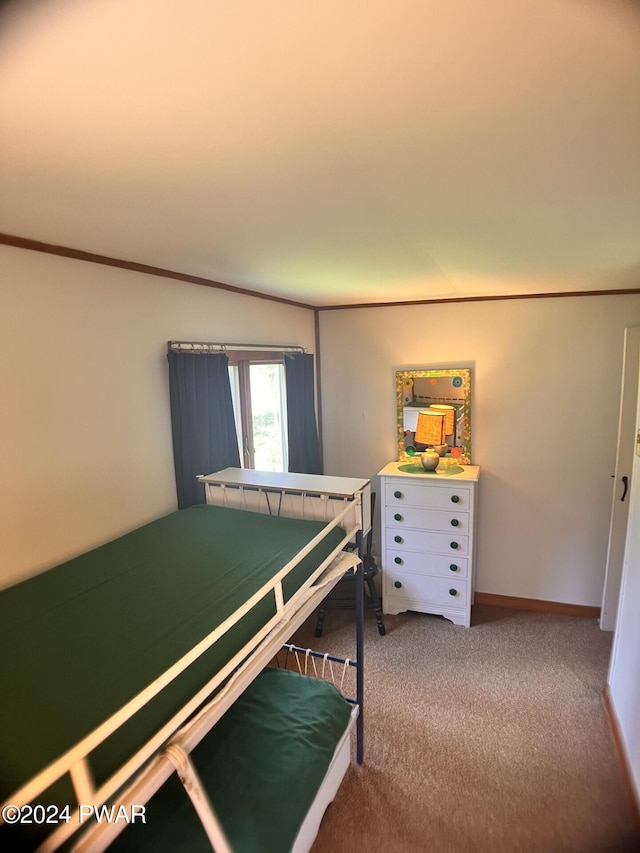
x: 261, y: 766
x: 80, y: 640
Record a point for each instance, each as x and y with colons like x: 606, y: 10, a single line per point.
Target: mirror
x: 419, y: 389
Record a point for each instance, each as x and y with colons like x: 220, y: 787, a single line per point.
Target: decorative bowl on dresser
x: 428, y: 539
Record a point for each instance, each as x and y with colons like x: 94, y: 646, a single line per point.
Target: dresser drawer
x: 424, y: 589
x: 407, y: 539
x: 438, y: 497
x: 429, y: 564
x: 427, y: 519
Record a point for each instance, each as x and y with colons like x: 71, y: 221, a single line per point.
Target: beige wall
x: 85, y: 433
x: 546, y: 385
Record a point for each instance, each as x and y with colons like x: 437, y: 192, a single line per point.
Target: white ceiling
x: 334, y: 152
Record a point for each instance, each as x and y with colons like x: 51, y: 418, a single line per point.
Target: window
x: 259, y: 404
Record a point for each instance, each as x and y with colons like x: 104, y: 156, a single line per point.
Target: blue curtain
x: 202, y: 422
x: 304, y: 445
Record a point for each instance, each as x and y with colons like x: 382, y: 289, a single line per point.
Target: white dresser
x: 428, y: 539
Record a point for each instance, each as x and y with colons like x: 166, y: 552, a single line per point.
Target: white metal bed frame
x: 303, y: 496
x: 338, y: 501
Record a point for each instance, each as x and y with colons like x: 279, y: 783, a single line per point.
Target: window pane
x: 268, y: 416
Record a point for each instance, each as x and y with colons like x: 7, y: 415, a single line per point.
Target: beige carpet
x: 492, y: 738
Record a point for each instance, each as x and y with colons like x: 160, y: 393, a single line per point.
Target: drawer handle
x: 398, y: 585
x: 398, y: 517
x: 397, y: 494
x: 453, y: 592
x: 454, y: 545
x: 455, y: 499
x: 454, y: 568
x: 398, y: 539
x: 398, y: 560
x: 454, y: 522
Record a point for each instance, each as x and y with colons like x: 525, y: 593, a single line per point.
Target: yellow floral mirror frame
x: 418, y: 389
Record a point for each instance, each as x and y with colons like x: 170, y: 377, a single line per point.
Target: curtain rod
x: 199, y: 346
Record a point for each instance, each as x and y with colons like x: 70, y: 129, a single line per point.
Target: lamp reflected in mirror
x: 430, y: 430
x: 430, y: 438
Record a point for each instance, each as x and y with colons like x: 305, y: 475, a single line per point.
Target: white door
x: 621, y: 478
x: 624, y: 668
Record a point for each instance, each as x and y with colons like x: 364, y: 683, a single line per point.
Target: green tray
x: 441, y: 470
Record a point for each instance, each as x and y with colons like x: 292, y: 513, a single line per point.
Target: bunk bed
x: 132, y: 675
